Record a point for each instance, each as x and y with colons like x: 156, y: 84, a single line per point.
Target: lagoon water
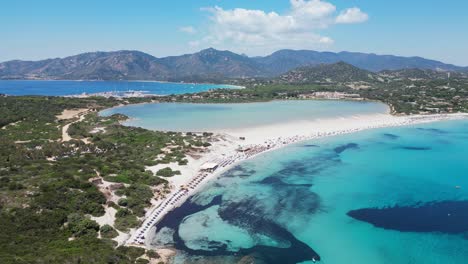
x: 62, y: 88
x: 214, y: 117
x: 393, y: 195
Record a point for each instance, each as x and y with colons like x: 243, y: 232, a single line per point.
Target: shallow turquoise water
x: 304, y: 193
x: 60, y: 88
x: 209, y: 117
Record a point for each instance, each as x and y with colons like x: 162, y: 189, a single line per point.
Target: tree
x: 80, y: 225
x: 108, y: 231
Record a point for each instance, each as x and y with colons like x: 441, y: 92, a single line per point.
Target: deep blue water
x: 393, y: 195
x: 61, y: 88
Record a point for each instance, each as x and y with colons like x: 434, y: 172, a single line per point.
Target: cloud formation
x: 256, y: 31
x: 352, y: 15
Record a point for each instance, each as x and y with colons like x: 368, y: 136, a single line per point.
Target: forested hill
x: 329, y: 73
x: 208, y: 64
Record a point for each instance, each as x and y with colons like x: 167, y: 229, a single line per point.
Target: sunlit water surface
x: 393, y: 195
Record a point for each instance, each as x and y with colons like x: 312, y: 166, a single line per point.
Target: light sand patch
x: 22, y: 141
x: 108, y: 218
x: 121, y: 238
x: 165, y: 254
x: 186, y: 171
x: 71, y: 113
x: 98, y: 130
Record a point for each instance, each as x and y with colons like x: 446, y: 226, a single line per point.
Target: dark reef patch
x: 391, y: 136
x: 238, y: 171
x: 173, y: 218
x: 293, y: 168
x: 308, y: 167
x: 449, y: 217
x: 250, y: 215
x: 296, y: 201
x: 247, y: 214
x: 433, y: 130
x: 342, y: 148
x: 276, y: 182
x: 415, y: 148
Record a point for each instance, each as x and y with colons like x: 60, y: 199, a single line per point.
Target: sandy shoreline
x: 259, y: 140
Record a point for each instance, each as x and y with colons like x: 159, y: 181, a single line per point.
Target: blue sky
x: 32, y: 29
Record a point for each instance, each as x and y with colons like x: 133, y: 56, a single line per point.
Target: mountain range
x: 208, y: 64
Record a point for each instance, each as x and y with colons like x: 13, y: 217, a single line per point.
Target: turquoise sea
x: 61, y: 88
x: 212, y: 117
x: 393, y: 195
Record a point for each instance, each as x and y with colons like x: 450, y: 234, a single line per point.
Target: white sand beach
x: 224, y: 154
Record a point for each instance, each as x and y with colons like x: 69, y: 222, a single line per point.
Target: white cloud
x: 352, y: 15
x: 188, y: 30
x: 257, y: 31
x: 314, y: 8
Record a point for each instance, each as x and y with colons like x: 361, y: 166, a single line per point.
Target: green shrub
x: 124, y: 220
x: 108, y: 231
x: 167, y: 172
x: 152, y: 254
x: 119, y: 178
x: 123, y: 202
x: 132, y: 252
x: 142, y: 261
x: 122, y: 212
x: 183, y: 162
x: 81, y: 226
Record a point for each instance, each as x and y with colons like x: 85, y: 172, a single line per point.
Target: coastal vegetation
x: 52, y: 189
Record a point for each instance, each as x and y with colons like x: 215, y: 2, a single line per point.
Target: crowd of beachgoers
x: 240, y: 150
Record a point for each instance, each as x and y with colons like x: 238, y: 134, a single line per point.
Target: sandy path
x: 65, y: 135
x: 70, y: 114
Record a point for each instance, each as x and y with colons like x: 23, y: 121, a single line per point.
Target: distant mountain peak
x: 210, y: 49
